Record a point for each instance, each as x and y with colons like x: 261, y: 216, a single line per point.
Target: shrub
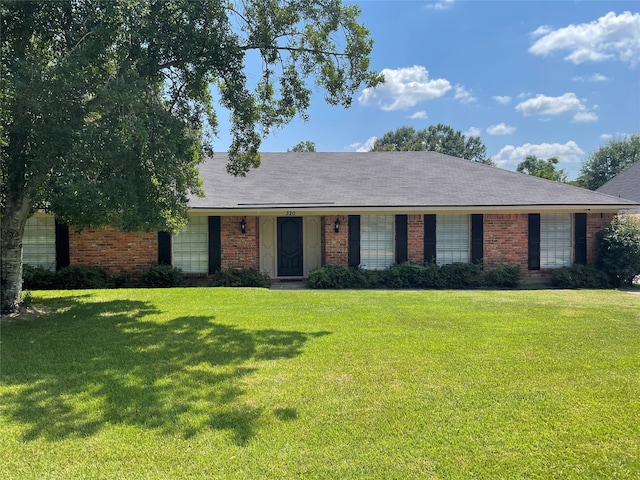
x: 412, y: 275
x: 404, y: 275
x: 580, y: 276
x: 38, y: 278
x: 162, y: 276
x: 118, y: 279
x: 431, y: 277
x: 504, y: 276
x: 240, y: 278
x: 80, y: 277
x: 619, y: 250
x: 334, y: 277
x: 461, y: 275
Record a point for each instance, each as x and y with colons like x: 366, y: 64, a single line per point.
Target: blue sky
x: 545, y: 78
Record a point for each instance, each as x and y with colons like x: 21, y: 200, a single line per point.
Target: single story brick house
x: 300, y: 211
x: 625, y: 185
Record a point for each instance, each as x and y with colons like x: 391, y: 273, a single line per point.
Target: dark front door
x: 289, y: 246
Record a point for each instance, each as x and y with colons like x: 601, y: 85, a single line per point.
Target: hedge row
x: 158, y: 276
x: 413, y: 275
x: 405, y: 275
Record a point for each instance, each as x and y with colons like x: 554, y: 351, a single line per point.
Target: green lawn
x: 252, y: 383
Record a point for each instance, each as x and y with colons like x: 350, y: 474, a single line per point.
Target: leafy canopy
x: 609, y: 160
x: 537, y: 167
x: 437, y: 138
x: 107, y: 107
x: 619, y: 249
x: 304, y: 146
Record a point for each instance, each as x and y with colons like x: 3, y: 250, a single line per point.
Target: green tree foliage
x: 609, y: 160
x: 106, y: 106
x: 538, y: 167
x: 619, y: 249
x: 437, y: 138
x: 305, y: 146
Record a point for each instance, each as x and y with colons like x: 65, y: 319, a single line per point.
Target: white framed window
x: 452, y: 239
x: 377, y: 241
x: 39, y: 242
x: 556, y: 246
x: 191, y: 246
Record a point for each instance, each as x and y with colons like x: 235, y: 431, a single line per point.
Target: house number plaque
x: 290, y: 213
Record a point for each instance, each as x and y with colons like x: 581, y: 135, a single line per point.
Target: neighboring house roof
x: 385, y: 181
x: 624, y: 185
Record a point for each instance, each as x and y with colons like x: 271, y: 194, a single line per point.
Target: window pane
x: 191, y: 246
x: 377, y: 241
x: 39, y: 242
x: 452, y: 239
x: 555, y: 240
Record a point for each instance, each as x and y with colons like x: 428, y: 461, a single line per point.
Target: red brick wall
x: 240, y: 250
x: 415, y: 235
x: 506, y: 240
x: 112, y: 250
x: 335, y: 246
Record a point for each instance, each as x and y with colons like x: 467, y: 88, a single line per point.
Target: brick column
x: 240, y: 250
x: 415, y: 234
x: 595, y: 223
x: 335, y: 245
x: 506, y: 240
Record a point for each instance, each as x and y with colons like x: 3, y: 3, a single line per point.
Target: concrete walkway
x: 289, y: 285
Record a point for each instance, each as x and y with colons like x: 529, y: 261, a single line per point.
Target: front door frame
x: 290, y: 250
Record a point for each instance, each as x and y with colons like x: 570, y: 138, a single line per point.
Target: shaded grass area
x: 245, y: 383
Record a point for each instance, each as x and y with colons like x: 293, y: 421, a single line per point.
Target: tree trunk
x: 14, y: 217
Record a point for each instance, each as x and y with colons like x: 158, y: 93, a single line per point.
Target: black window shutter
x: 402, y: 239
x: 534, y: 241
x: 477, y: 238
x: 354, y: 240
x: 164, y: 248
x: 62, y: 245
x: 215, y: 245
x: 429, y: 239
x: 580, y: 226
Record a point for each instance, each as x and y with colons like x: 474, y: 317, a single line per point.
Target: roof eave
x: 305, y: 209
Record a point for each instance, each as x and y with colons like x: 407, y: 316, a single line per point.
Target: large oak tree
x: 538, y: 167
x: 436, y: 138
x: 609, y: 160
x: 107, y: 107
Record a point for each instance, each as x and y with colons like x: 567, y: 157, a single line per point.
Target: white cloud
x: 595, y: 77
x: 472, y: 132
x: 464, y: 95
x: 567, y: 103
x: 611, y: 36
x: 500, y: 129
x: 509, y: 156
x: 584, y: 117
x: 609, y: 136
x: 421, y: 115
x: 541, y: 30
x: 404, y: 88
x: 441, y: 5
x: 363, y: 147
x: 503, y: 99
